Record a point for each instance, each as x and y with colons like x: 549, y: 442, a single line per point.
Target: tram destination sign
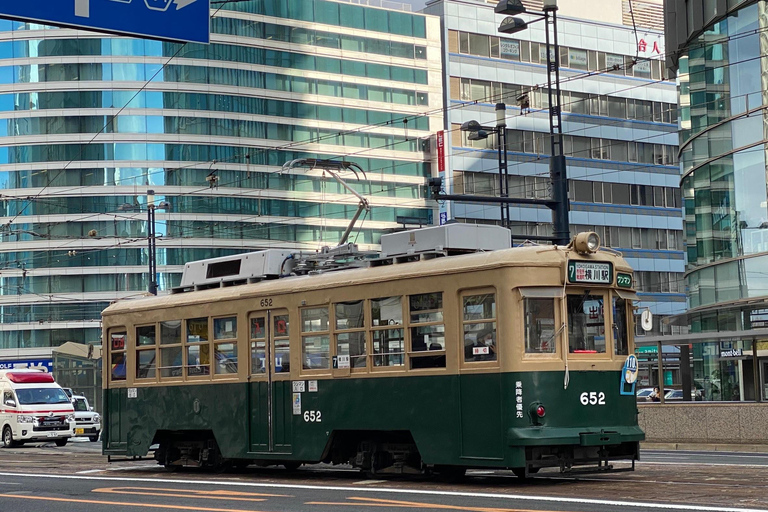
x: 168, y: 20
x: 592, y: 272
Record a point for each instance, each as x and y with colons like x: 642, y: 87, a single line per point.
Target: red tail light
x: 541, y: 411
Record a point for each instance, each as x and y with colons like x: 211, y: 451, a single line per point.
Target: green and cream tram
x: 513, y: 358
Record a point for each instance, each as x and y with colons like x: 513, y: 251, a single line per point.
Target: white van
x: 34, y: 409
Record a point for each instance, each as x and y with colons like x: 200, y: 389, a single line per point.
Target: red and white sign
x: 650, y: 45
x: 441, y: 151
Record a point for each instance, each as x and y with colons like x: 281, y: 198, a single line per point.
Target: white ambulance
x: 34, y: 409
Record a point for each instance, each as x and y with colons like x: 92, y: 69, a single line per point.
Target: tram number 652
x: 592, y: 398
x: 266, y: 303
x: 313, y: 416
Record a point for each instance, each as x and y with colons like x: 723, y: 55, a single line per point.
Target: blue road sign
x: 173, y: 20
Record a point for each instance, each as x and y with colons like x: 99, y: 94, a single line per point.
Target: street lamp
x: 152, y: 238
x: 557, y: 167
x: 478, y: 132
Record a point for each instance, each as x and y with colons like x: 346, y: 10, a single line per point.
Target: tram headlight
x: 586, y: 242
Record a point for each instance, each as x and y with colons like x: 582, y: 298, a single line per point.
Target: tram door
x: 270, y: 383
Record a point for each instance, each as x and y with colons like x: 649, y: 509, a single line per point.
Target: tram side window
x: 620, y: 332
x: 170, y: 349
x: 315, y: 339
x: 117, y: 350
x: 427, y: 330
x: 540, y: 326
x: 479, y: 315
x: 350, y: 332
x: 198, y: 348
x: 225, y: 352
x: 586, y: 324
x: 387, y: 332
x: 258, y: 344
x: 281, y: 333
x: 146, y: 340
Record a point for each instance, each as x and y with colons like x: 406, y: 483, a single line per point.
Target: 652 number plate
x: 592, y: 398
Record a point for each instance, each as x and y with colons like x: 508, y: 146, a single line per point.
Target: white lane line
x: 90, y: 471
x: 389, y: 490
x: 683, y: 453
x: 659, y: 463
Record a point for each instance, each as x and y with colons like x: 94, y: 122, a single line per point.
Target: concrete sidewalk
x: 696, y: 447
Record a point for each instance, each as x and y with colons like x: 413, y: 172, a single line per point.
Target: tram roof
x: 541, y: 256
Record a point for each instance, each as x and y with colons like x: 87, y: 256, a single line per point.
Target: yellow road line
x: 377, y: 502
x: 119, y: 503
x: 191, y: 493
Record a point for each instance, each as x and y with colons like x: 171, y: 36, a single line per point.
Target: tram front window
x: 620, y: 334
x: 586, y: 324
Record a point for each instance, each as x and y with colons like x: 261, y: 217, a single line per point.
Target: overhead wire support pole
x: 557, y: 163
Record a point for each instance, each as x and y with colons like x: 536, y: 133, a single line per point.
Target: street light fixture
x: 557, y: 164
x: 480, y: 132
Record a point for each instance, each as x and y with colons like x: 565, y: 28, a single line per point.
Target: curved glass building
x: 722, y: 66
x: 91, y: 122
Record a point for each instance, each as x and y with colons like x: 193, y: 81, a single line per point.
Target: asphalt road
x: 41, y: 493
x: 41, y: 478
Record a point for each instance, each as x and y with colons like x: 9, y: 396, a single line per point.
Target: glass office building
x: 720, y: 58
x: 619, y: 126
x: 91, y: 122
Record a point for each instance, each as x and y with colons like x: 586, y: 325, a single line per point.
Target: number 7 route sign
x: 168, y: 20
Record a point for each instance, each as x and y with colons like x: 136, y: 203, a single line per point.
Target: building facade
x: 619, y: 130
x: 91, y: 122
x: 718, y: 50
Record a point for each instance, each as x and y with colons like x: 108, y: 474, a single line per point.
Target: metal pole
x: 557, y: 164
x: 151, y: 286
x: 501, y: 143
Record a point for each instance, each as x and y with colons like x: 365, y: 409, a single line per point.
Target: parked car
x: 677, y: 394
x: 87, y: 422
x: 644, y: 393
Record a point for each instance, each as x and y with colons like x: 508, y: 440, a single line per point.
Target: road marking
x: 389, y: 490
x: 374, y: 502
x: 90, y: 471
x: 124, y: 504
x: 191, y: 493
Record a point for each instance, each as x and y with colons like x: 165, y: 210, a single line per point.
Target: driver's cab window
x: 586, y: 324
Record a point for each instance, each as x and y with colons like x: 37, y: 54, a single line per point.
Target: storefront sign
x: 577, y: 58
x: 650, y: 45
x: 730, y: 353
x: 22, y: 364
x: 441, y: 151
x: 509, y: 48
x: 589, y: 272
x: 612, y: 60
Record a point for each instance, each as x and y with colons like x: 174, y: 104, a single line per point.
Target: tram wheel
x: 292, y: 465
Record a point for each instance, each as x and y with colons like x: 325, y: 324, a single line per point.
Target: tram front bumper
x: 574, y: 436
